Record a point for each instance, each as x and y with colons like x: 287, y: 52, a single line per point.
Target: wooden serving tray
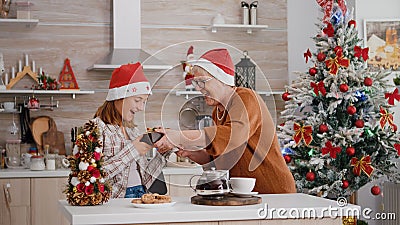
x: 228, y: 200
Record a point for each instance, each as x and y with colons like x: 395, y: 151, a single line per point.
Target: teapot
x: 212, y: 183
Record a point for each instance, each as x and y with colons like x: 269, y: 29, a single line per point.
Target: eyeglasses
x: 201, y: 83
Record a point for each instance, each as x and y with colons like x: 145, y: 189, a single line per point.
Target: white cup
x: 8, y: 105
x: 242, y: 184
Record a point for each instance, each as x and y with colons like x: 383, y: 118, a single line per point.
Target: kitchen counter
x: 26, y: 173
x: 279, y: 206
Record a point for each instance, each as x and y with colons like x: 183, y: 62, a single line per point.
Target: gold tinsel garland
x: 86, y: 182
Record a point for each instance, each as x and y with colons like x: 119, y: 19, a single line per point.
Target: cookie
x: 148, y: 198
x: 137, y: 201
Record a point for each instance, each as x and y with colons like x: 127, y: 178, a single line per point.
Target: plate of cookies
x: 153, y: 201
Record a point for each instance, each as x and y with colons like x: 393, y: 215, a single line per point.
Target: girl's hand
x: 141, y: 147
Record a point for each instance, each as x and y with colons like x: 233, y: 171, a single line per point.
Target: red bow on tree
x: 397, y: 147
x: 328, y: 5
x: 358, y: 51
x: 330, y: 149
x: 334, y: 63
x: 386, y: 117
x: 302, y: 133
x: 329, y: 30
x: 307, y: 55
x: 320, y: 87
x: 364, y: 164
x: 393, y: 96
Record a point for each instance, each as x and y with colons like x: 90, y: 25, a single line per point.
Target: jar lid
x: 37, y: 156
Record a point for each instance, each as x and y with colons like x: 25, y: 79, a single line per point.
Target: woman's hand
x: 169, y: 141
x: 141, y: 147
x: 199, y: 156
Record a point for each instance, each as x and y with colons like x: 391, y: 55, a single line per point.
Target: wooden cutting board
x: 39, y: 125
x: 54, y: 138
x: 228, y: 200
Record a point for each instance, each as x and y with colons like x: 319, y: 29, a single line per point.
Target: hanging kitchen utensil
x: 25, y: 121
x: 54, y: 138
x: 33, y: 103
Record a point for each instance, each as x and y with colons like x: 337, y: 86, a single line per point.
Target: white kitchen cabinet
x: 45, y: 193
x: 15, y: 201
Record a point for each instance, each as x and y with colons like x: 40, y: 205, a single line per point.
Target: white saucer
x: 244, y: 194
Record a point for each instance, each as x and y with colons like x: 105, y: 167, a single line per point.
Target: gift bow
x: 320, y: 87
x: 329, y: 30
x: 393, y: 96
x: 339, y: 60
x: 364, y: 164
x: 363, y: 52
x: 330, y: 149
x: 307, y: 55
x: 328, y: 6
x: 302, y: 133
x: 386, y: 117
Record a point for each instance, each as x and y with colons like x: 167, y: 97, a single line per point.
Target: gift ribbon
x: 364, y: 164
x: 361, y: 52
x: 302, y: 133
x: 327, y: 5
x: 339, y: 60
x: 330, y: 149
x: 320, y: 87
x: 386, y: 117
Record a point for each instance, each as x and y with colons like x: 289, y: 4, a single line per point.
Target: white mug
x: 65, y: 162
x: 8, y: 105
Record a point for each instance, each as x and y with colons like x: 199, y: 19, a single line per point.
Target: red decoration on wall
x: 67, y: 77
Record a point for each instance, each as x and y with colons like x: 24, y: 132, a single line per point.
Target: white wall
x: 302, y: 17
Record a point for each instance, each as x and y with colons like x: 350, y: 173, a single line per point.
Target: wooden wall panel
x: 82, y: 32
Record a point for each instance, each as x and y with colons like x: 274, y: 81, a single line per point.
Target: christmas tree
x: 339, y: 132
x: 86, y: 182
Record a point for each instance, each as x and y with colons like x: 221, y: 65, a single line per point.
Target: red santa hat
x: 126, y: 81
x: 219, y: 64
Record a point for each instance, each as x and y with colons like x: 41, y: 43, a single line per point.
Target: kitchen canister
x: 253, y: 13
x: 245, y: 12
x: 37, y: 163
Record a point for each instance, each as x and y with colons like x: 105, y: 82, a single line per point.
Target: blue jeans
x: 135, y: 192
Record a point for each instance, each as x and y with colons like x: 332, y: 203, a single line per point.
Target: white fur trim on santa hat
x: 215, y: 71
x: 139, y: 88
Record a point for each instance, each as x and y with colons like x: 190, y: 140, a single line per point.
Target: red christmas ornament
x: 323, y: 128
x: 312, y: 71
x: 343, y: 88
x: 375, y: 190
x: 321, y: 57
x: 310, y: 176
x: 285, y: 96
x: 351, y: 110
x: 352, y: 22
x: 287, y: 158
x: 368, y: 81
x: 359, y: 123
x: 345, y: 184
x: 350, y: 151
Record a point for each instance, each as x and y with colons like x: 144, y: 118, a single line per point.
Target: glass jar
x: 51, y: 161
x: 37, y: 162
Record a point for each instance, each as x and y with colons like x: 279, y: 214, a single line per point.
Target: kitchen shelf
x: 54, y: 92
x: 187, y: 93
x: 248, y: 28
x: 24, y: 22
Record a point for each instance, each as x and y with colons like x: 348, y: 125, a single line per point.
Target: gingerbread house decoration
x: 67, y: 77
x: 25, y: 79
